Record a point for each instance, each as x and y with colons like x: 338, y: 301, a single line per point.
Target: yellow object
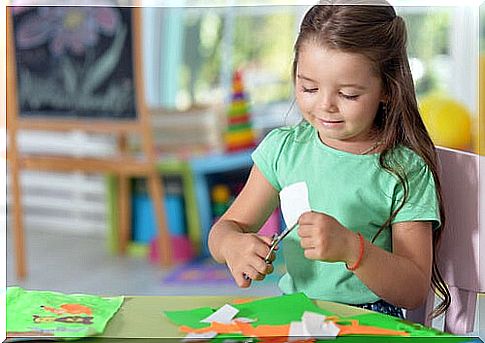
x: 221, y: 193
x: 448, y: 122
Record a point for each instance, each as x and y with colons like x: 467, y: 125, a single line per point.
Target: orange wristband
x: 361, y: 254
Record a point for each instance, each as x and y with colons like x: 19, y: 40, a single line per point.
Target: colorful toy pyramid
x: 239, y: 135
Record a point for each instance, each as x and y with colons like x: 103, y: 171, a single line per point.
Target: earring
x: 384, y: 108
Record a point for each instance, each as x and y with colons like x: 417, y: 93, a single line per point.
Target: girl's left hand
x: 322, y: 237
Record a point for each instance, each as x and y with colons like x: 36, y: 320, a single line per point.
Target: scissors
x: 277, y: 239
x: 274, y: 243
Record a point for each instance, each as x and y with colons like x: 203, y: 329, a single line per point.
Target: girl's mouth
x: 330, y: 123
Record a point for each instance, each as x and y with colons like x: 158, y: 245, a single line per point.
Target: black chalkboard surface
x: 74, y: 62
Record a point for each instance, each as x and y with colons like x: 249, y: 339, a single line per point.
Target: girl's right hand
x: 244, y: 255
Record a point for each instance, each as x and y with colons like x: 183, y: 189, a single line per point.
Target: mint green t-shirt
x: 354, y: 190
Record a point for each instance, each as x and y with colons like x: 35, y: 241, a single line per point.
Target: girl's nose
x: 326, y: 102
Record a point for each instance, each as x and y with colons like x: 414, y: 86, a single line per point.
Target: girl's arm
x: 232, y: 239
x: 403, y: 277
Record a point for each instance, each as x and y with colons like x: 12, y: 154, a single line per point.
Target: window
x: 201, y: 47
x: 258, y: 40
x: 429, y: 46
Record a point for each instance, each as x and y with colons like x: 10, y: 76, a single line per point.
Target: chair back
x: 459, y: 261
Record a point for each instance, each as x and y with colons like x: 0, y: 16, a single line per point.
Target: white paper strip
x: 312, y: 323
x: 314, y: 326
x: 294, y: 202
x: 197, y: 337
x: 296, y: 332
x: 223, y: 315
x: 330, y: 330
x: 244, y: 320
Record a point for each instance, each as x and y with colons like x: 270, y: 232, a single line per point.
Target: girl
x: 370, y: 166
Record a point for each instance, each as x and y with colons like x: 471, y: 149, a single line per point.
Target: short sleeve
x: 266, y: 155
x: 422, y: 201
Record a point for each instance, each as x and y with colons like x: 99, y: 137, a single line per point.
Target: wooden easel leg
x: 155, y: 188
x: 124, y: 203
x: 18, y: 225
x: 124, y: 212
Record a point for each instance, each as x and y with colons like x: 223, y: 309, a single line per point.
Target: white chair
x: 460, y: 263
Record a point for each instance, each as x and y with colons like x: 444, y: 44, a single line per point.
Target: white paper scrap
x: 296, y: 332
x: 312, y: 323
x: 244, y: 320
x: 294, y: 202
x: 197, y: 337
x: 314, y: 326
x: 330, y: 330
x: 223, y: 315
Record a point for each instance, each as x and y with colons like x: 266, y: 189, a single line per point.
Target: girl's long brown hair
x: 375, y: 31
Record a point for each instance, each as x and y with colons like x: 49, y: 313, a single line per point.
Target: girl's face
x: 338, y: 93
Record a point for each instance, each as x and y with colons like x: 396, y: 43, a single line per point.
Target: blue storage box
x: 143, y: 219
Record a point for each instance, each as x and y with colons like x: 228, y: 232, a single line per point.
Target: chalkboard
x: 74, y: 62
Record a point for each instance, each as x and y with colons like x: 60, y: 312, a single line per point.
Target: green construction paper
x: 284, y: 309
x: 190, y: 318
x: 278, y: 310
x: 389, y: 322
x: 23, y: 305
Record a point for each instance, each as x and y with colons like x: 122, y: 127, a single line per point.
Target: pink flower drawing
x: 66, y: 29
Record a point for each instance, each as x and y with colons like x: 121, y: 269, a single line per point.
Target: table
x: 143, y: 317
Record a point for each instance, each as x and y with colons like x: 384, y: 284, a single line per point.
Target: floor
x: 82, y: 264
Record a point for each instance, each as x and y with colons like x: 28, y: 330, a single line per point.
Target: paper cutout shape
x: 242, y: 301
x: 69, y: 309
x: 245, y: 320
x: 39, y: 313
x: 294, y: 202
x: 312, y: 326
x: 197, y: 337
x: 223, y: 315
x: 190, y: 318
x: 355, y: 328
x: 296, y: 332
x: 319, y: 326
x: 275, y: 314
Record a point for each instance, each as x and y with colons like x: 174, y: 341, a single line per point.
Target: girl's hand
x: 244, y: 255
x: 322, y: 237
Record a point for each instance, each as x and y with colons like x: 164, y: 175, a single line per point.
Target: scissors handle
x: 277, y: 239
x: 273, y: 243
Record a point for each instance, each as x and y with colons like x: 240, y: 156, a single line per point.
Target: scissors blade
x: 278, y: 239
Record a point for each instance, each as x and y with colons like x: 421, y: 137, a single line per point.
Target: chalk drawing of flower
x: 66, y: 29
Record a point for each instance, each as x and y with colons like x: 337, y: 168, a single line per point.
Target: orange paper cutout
x: 355, y: 329
x: 53, y: 310
x: 271, y: 330
x: 76, y: 309
x: 242, y: 301
x: 69, y: 309
x: 279, y: 333
x: 244, y: 328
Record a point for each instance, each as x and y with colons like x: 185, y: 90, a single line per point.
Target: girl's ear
x: 384, y: 95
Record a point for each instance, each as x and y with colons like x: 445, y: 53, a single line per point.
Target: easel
x: 123, y: 165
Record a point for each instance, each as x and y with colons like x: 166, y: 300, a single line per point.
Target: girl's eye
x: 348, y: 97
x: 309, y: 90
